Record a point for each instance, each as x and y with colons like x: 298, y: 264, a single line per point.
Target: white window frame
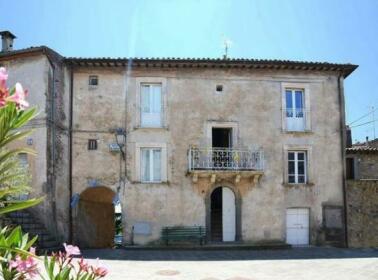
x: 138, y: 161
x: 296, y: 163
x: 150, y: 85
x: 305, y: 87
x: 163, y: 113
x: 214, y: 124
x: 151, y: 165
x: 308, y: 166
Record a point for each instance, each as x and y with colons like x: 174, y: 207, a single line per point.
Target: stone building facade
x: 246, y: 148
x: 362, y: 194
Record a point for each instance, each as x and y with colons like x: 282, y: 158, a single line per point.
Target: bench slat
x: 183, y: 233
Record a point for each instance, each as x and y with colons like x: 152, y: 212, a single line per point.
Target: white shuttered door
x: 228, y: 214
x: 297, y: 226
x: 151, y: 105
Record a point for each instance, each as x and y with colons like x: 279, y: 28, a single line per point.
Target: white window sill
x: 298, y: 131
x: 293, y: 185
x: 151, y: 127
x: 151, y: 183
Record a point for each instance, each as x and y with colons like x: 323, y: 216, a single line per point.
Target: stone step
x: 33, y: 226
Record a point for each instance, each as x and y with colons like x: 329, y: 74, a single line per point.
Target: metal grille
x: 225, y: 159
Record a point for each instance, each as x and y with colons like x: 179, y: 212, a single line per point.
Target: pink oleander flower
x: 29, y: 266
x: 83, y: 265
x: 71, y: 250
x: 4, y: 92
x: 3, y: 77
x: 18, y: 97
x: 3, y: 96
x: 100, y: 271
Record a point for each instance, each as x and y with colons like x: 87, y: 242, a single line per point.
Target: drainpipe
x: 70, y: 236
x: 52, y: 124
x: 343, y: 147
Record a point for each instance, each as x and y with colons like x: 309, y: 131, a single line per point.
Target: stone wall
x: 362, y: 206
x: 367, y: 166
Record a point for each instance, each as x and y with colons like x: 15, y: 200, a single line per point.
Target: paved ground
x: 299, y: 263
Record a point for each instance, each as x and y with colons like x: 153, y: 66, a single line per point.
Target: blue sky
x: 335, y: 31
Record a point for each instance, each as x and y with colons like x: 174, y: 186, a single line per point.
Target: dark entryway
x: 216, y: 215
x: 222, y: 137
x: 94, y: 224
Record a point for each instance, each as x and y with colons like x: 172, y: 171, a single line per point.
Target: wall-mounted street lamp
x: 121, y: 140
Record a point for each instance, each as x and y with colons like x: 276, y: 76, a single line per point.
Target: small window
x: 219, y: 88
x: 350, y: 168
x: 151, y: 164
x: 93, y: 81
x: 297, y: 167
x: 23, y: 159
x: 92, y: 144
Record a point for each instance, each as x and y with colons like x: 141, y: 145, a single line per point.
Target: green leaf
x: 15, y: 136
x: 15, y: 152
x: 31, y: 242
x: 21, y: 205
x: 15, y: 236
x: 25, y: 117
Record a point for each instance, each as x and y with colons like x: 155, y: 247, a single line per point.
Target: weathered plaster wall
x: 362, y: 206
x: 32, y: 73
x: 50, y: 138
x: 250, y: 99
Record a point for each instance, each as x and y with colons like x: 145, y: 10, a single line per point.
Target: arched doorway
x: 222, y: 215
x: 95, y: 218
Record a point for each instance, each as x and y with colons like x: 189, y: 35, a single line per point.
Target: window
x: 350, y: 168
x: 23, y: 160
x: 150, y: 164
x: 93, y: 81
x: 151, y: 105
x: 297, y: 167
x: 295, y: 110
x: 92, y: 144
x: 219, y: 88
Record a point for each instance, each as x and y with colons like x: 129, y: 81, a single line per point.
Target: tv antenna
x: 227, y: 44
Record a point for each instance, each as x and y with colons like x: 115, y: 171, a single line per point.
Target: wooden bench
x: 183, y: 233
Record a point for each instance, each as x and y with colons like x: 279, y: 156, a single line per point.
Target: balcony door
x: 295, y: 113
x: 221, y: 143
x: 221, y: 137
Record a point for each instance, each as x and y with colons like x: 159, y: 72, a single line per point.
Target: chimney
x: 7, y: 41
x: 348, y: 137
x: 367, y: 140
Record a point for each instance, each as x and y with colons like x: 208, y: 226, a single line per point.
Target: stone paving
x: 298, y: 263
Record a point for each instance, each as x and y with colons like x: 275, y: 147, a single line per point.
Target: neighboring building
x: 362, y: 193
x: 40, y: 70
x: 246, y: 148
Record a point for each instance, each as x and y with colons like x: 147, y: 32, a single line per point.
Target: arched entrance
x: 95, y: 218
x: 223, y: 215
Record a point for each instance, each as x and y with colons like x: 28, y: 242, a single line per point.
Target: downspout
x: 343, y: 147
x: 70, y: 219
x: 52, y: 124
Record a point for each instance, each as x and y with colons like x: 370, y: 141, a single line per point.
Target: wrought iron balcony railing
x: 225, y: 159
x: 296, y: 119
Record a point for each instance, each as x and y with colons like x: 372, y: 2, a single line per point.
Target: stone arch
x: 238, y: 208
x: 94, y: 221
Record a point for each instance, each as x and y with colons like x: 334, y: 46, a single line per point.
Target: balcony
x: 223, y: 163
x: 296, y: 119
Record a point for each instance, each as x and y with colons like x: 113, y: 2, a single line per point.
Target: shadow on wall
x: 94, y: 223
